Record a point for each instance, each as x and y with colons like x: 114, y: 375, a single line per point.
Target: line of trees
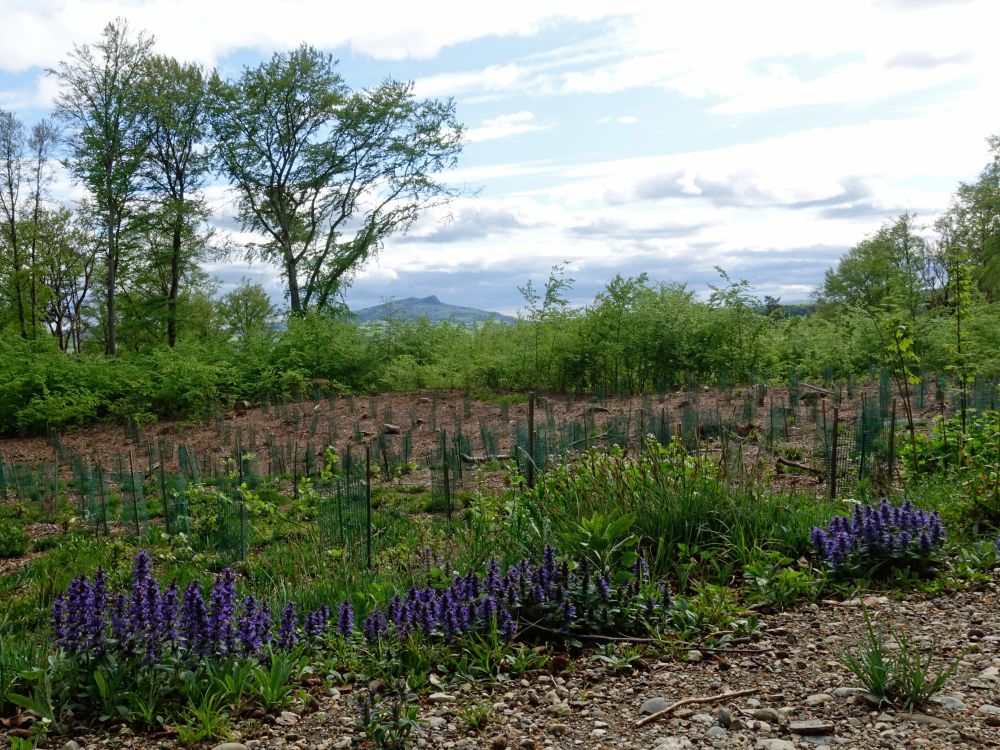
x: 322, y: 175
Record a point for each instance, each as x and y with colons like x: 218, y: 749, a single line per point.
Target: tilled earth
x: 801, y: 696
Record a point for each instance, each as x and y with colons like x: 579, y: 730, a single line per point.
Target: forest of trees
x: 322, y: 174
x: 106, y: 310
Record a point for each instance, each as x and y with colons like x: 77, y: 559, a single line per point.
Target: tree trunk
x: 291, y: 270
x: 33, y: 278
x: 16, y: 267
x: 175, y: 282
x: 111, y: 338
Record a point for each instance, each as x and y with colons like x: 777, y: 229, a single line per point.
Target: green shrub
x: 13, y: 541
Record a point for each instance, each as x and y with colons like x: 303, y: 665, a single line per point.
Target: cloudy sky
x: 626, y: 136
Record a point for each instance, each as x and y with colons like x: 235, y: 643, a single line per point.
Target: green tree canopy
x: 325, y: 174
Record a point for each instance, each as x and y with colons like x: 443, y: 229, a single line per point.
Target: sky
x: 621, y: 137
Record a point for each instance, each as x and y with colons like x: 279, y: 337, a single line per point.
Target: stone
x: 725, y: 718
x: 989, y: 710
x: 925, y: 719
x: 435, y: 722
x: 847, y: 692
x: 557, y: 727
x: 811, y: 726
x: 818, y: 699
x: 343, y: 743
x: 773, y: 744
x: 286, y: 719
x: 74, y: 745
x: 716, y: 733
x: 441, y: 698
x: 766, y: 714
x: 391, y: 429
x: 695, y: 656
x: 674, y: 743
x: 949, y: 702
x: 652, y: 705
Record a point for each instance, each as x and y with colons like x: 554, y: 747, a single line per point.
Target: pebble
x: 287, y: 719
x: 766, y: 714
x: 811, y: 726
x: 725, y: 718
x: 441, y: 698
x: 950, y: 702
x: 674, y: 743
x: 770, y: 744
x: 695, y: 656
x: 716, y: 733
x: 847, y: 692
x: 652, y: 705
x: 818, y: 699
x: 74, y: 745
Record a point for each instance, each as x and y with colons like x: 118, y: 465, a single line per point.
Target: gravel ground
x: 800, y: 695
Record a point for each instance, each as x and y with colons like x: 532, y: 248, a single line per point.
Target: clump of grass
x: 901, y: 677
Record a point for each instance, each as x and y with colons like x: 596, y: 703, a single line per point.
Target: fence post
x: 531, y: 439
x: 104, y: 502
x: 368, y: 505
x: 445, y: 467
x: 833, y: 452
x: 163, y: 497
x: 135, y: 499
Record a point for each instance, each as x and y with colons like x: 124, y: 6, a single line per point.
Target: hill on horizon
x: 436, y: 311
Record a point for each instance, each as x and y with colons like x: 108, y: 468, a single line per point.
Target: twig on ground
x: 687, y: 701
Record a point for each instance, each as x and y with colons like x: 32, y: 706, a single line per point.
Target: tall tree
x: 324, y: 174
x: 11, y: 179
x: 67, y: 257
x: 246, y: 313
x: 101, y: 103
x: 885, y: 270
x: 177, y: 100
x: 41, y: 145
x: 974, y: 220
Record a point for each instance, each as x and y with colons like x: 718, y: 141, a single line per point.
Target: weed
x: 901, y: 676
x: 477, y: 715
x: 387, y: 720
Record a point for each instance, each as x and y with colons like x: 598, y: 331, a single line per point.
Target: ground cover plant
x: 663, y: 546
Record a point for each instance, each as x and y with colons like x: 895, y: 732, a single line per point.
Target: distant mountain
x: 436, y: 311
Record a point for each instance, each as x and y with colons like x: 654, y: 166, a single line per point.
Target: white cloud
x: 39, y: 32
x: 505, y: 126
x: 622, y: 120
x: 784, y: 53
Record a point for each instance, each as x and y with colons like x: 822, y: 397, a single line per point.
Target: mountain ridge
x: 431, y: 307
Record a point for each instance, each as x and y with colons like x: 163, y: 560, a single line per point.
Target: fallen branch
x: 687, y: 701
x: 584, y: 440
x: 816, y: 389
x: 793, y: 465
x: 482, y: 459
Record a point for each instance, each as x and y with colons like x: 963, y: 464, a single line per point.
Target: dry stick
x: 793, y: 465
x: 687, y: 701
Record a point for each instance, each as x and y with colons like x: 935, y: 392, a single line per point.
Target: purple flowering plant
x: 132, y: 632
x: 876, y: 539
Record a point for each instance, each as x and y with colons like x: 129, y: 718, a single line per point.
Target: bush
x: 13, y: 541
